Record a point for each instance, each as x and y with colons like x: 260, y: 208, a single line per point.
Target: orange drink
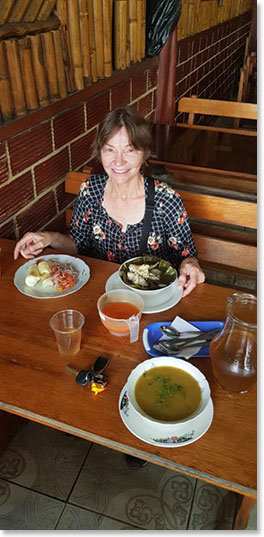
x: 120, y: 311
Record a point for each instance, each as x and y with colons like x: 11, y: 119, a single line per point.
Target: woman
x: 108, y: 217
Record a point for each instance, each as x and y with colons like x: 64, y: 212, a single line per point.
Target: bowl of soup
x: 168, y: 391
x: 152, y: 278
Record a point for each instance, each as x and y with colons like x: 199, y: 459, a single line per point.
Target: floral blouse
x: 98, y: 235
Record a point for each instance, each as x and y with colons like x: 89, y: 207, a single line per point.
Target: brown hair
x: 138, y: 129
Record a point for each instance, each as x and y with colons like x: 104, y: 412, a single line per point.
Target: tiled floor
x: 51, y: 480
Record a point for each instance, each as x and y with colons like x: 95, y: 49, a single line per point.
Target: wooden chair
x: 193, y: 105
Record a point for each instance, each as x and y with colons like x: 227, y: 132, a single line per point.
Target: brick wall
x: 208, y: 63
x: 34, y: 162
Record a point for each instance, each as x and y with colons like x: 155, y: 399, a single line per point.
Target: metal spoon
x: 202, y: 335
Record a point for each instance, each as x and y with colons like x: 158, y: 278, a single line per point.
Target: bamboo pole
x: 62, y: 14
x: 107, y: 36
x: 32, y: 10
x: 143, y: 34
x: 132, y: 19
x: 6, y: 105
x: 99, y: 31
x: 75, y: 42
x: 18, y: 10
x: 15, y: 77
x: 93, y: 61
x: 6, y: 6
x: 120, y: 33
x: 50, y: 64
x: 127, y: 37
x: 139, y: 29
x: 191, y: 21
x: 46, y: 10
x: 28, y: 73
x: 85, y: 44
x: 182, y: 26
x: 60, y: 64
x: 39, y: 69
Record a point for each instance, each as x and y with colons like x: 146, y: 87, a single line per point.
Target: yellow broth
x: 167, y: 393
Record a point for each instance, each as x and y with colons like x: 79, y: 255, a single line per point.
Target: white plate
x: 114, y: 282
x: 38, y: 291
x: 150, y: 433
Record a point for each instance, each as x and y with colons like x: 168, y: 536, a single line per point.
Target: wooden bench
x: 224, y: 229
x: 232, y: 109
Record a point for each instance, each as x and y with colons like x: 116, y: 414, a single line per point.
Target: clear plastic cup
x: 127, y: 300
x: 67, y: 326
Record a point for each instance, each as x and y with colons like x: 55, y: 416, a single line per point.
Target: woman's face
x: 120, y: 159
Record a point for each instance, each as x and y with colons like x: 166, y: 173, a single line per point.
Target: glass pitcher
x: 233, y: 351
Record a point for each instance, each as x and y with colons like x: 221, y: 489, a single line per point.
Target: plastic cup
x: 67, y: 326
x: 124, y: 326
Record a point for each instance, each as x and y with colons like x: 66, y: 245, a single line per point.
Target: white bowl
x: 151, y: 297
x: 179, y: 364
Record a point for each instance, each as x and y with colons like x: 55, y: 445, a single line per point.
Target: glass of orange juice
x: 120, y: 311
x: 67, y: 326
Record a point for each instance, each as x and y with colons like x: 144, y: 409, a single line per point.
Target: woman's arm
x: 32, y: 244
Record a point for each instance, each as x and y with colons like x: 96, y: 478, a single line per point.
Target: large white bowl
x: 151, y: 297
x: 179, y: 364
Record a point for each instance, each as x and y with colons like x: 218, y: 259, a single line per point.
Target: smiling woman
x: 109, y: 217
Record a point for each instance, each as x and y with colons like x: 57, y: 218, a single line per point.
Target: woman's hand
x: 32, y: 244
x: 190, y: 274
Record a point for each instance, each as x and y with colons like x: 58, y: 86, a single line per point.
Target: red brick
x: 145, y: 104
x: 97, y: 107
x: 120, y: 94
x: 68, y: 126
x: 139, y: 85
x: 8, y: 231
x: 30, y: 146
x: 38, y: 215
x: 15, y: 195
x: 81, y: 149
x: 3, y: 164
x: 152, y: 78
x: 51, y: 170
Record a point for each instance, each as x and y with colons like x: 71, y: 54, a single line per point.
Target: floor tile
x: 44, y: 459
x: 150, y: 497
x: 213, y: 508
x: 75, y: 518
x: 23, y: 509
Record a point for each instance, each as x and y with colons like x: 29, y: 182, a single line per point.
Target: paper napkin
x: 183, y: 326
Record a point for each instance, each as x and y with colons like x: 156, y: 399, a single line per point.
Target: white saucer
x: 149, y: 433
x: 114, y: 282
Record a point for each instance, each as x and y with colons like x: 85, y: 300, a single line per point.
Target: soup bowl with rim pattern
x: 178, y: 363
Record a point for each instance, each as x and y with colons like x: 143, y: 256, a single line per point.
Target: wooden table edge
x: 234, y: 487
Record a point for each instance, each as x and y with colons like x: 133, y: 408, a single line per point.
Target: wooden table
x: 35, y: 384
x: 207, y: 156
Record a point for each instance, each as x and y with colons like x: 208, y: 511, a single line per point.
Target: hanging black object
x: 161, y: 18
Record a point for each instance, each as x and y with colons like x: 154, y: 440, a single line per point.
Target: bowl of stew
x: 154, y: 279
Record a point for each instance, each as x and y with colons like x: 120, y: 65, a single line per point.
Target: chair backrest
x: 221, y: 210
x: 193, y: 105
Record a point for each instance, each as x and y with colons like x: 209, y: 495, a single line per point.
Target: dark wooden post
x: 166, y: 81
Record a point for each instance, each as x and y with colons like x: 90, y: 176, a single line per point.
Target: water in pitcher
x: 234, y: 351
